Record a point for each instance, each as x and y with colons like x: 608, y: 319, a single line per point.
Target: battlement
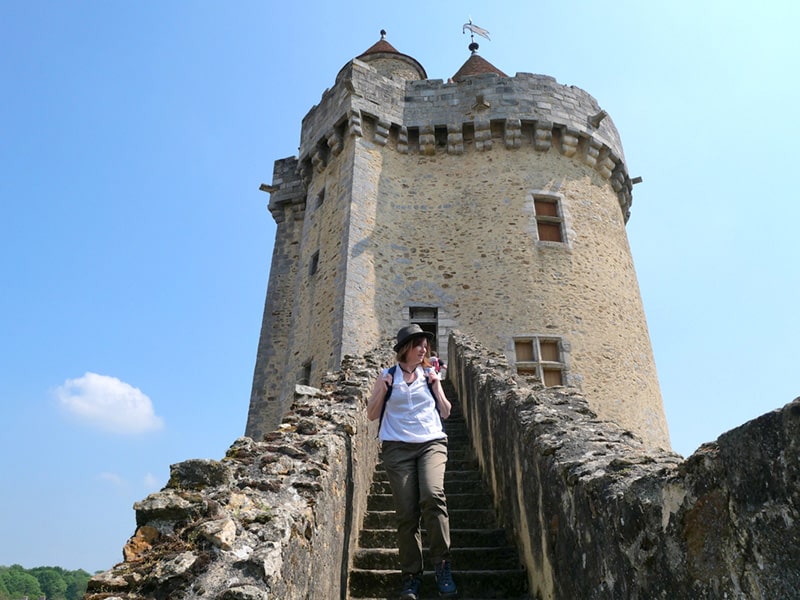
x: 477, y: 114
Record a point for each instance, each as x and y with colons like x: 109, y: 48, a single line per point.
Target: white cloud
x: 109, y: 404
x: 151, y: 482
x: 115, y: 480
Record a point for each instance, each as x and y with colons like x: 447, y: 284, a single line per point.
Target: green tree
x: 55, y: 583
x: 20, y: 583
x: 4, y: 595
x: 52, y: 582
x: 77, y: 582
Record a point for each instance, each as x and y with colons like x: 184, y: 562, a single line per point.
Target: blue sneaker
x: 444, y: 580
x: 410, y: 590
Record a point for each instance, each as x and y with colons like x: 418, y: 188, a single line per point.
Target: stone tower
x: 491, y: 204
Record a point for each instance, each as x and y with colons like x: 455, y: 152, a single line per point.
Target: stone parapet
x: 525, y: 109
x: 599, y: 514
x: 277, y: 517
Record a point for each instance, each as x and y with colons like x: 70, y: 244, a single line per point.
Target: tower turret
x: 492, y: 204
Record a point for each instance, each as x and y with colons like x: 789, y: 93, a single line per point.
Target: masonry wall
x: 599, y: 514
x: 595, y: 512
x: 276, y: 517
x: 459, y: 232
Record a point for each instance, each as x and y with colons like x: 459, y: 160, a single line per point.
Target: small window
x: 540, y: 357
x: 548, y: 219
x: 321, y: 197
x: 305, y: 374
x: 314, y: 264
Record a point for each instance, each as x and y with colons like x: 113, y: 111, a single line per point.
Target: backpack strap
x: 391, y: 372
x: 386, y: 399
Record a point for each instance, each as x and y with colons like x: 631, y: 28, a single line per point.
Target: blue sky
x: 136, y: 245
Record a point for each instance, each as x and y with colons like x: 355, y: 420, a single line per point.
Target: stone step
x: 459, y: 518
x: 478, y: 584
x: 486, y: 537
x: 454, y: 463
x: 454, y: 501
x: 485, y: 565
x: 466, y: 559
x: 450, y: 475
x: 452, y: 487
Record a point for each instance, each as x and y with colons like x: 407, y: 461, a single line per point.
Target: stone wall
x: 275, y: 518
x: 598, y: 514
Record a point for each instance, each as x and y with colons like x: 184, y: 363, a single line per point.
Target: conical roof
x: 389, y: 61
x: 380, y: 46
x: 476, y: 65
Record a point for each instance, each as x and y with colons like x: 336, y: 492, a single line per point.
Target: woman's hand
x: 442, y: 403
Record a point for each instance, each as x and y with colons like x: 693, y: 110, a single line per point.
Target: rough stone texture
x: 596, y: 512
x: 421, y: 194
x: 275, y: 518
x: 599, y: 514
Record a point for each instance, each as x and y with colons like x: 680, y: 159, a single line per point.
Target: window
x: 540, y: 357
x: 305, y: 374
x: 313, y: 265
x: 548, y: 219
x: 320, y: 197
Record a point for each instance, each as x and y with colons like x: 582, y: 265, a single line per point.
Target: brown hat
x: 411, y: 331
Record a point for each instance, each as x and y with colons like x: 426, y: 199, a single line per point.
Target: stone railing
x: 275, y: 518
x: 597, y: 514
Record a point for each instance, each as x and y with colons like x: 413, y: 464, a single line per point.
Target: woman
x: 410, y: 403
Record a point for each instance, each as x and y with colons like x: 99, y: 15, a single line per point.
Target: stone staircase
x: 485, y: 563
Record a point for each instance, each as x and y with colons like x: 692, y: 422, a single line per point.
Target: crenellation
x: 543, y: 135
x: 305, y: 170
x: 381, y: 132
x: 435, y: 104
x: 592, y: 148
x: 455, y: 139
x: 513, y: 134
x: 605, y: 162
x: 334, y: 139
x: 402, y: 140
x: 483, y: 136
x: 354, y: 123
x: 318, y: 160
x: 569, y: 142
x: 427, y: 140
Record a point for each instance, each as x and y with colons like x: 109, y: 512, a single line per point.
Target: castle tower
x: 491, y: 204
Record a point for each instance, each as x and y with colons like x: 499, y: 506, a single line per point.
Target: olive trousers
x: 416, y: 476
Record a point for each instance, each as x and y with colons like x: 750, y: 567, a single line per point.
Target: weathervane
x: 473, y: 29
